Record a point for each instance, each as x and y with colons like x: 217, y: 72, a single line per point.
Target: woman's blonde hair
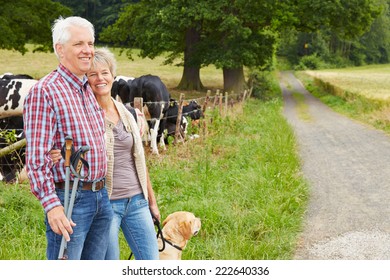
x: 106, y: 57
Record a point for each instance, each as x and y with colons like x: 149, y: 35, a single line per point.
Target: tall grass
x: 21, y: 224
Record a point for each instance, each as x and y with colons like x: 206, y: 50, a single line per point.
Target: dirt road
x: 347, y: 165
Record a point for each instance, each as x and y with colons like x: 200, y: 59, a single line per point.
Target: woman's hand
x: 154, y: 210
x: 55, y: 156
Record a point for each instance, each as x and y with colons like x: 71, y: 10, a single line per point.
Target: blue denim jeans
x: 92, y: 213
x: 133, y: 216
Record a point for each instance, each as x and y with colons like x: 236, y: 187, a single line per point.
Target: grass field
x: 370, y: 81
x: 362, y: 93
x: 39, y: 64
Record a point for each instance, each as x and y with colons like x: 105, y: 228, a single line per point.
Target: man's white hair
x: 60, y: 29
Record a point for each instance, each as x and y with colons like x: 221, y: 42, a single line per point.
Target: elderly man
x: 61, y: 105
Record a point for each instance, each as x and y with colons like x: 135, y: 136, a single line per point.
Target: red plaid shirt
x: 59, y: 105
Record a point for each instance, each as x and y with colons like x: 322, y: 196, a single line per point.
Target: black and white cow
x: 192, y: 110
x: 120, y: 88
x: 172, y: 114
x: 12, y: 163
x: 13, y: 91
x: 12, y: 95
x: 10, y: 76
x: 155, y: 96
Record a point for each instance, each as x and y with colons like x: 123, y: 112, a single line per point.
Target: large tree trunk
x: 190, y: 79
x: 233, y: 80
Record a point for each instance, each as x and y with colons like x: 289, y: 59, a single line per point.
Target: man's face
x: 77, y: 53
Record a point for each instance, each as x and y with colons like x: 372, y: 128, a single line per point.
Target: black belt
x: 85, y: 186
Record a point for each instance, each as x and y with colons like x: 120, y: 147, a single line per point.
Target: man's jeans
x: 92, y: 213
x: 133, y: 216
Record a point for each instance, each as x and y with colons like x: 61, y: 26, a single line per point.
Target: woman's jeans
x: 133, y: 216
x: 92, y: 213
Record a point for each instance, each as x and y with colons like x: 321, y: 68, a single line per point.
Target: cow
x: 13, y: 91
x: 193, y: 110
x: 120, y: 90
x: 172, y: 115
x: 10, y: 76
x: 155, y: 96
x: 12, y: 95
x: 12, y: 163
x: 190, y: 110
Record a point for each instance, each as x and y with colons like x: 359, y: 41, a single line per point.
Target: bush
x: 312, y: 62
x: 265, y: 86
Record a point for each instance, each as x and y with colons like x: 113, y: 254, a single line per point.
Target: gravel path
x: 347, y: 165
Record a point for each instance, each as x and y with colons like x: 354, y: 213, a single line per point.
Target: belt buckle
x: 94, y: 186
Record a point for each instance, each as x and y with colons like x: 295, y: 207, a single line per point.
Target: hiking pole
x: 67, y: 155
x: 77, y: 160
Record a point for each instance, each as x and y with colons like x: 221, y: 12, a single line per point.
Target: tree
x: 100, y: 13
x: 231, y: 34
x: 242, y: 34
x: 158, y: 27
x: 376, y: 41
x: 340, y: 38
x: 199, y: 33
x: 23, y: 21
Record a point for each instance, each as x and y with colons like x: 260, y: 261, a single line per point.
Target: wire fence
x: 13, y: 153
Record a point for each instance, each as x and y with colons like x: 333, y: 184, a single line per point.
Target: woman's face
x: 100, y: 80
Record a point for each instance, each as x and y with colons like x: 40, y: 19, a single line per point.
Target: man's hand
x: 59, y: 223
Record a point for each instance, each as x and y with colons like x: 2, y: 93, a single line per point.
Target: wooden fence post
x: 216, y: 99
x: 243, y: 98
x: 178, y: 122
x: 226, y: 103
x: 250, y: 92
x: 231, y: 102
x: 206, y: 101
x: 220, y: 104
x: 138, y: 103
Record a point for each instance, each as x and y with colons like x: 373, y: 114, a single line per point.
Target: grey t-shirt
x: 125, y: 179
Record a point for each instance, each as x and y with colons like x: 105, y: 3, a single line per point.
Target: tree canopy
x: 28, y: 21
x: 348, y: 37
x: 100, y: 13
x: 230, y: 34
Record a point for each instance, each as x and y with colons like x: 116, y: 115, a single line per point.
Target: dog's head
x: 183, y: 223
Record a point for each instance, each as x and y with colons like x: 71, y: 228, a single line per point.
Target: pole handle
x: 68, y: 149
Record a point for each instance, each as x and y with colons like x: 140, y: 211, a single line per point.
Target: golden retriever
x: 177, y: 229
